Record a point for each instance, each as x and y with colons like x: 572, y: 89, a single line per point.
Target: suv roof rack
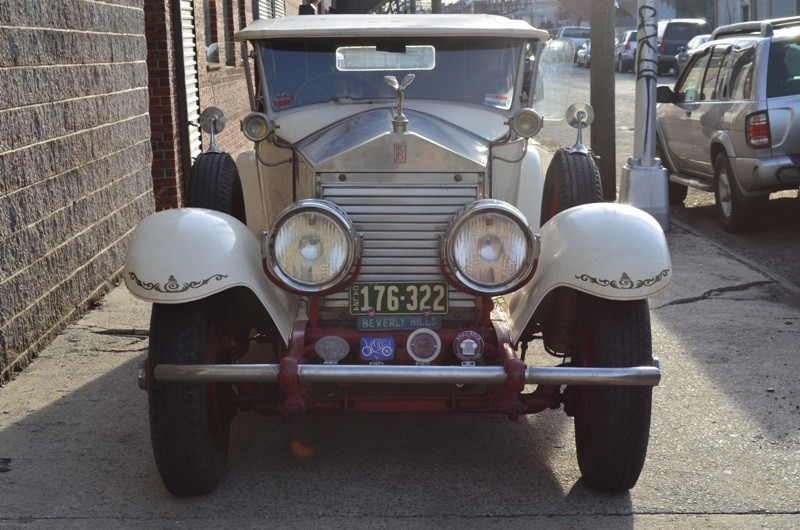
x: 765, y: 28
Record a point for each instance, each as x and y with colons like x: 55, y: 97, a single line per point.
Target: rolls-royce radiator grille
x: 401, y: 218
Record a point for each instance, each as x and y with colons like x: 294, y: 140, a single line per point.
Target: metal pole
x: 601, y: 75
x: 644, y: 180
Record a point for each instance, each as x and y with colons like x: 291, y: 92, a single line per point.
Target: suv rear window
x: 576, y: 33
x: 677, y: 30
x: 783, y: 78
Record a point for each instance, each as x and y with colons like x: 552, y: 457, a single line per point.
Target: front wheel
x: 612, y: 423
x: 189, y: 422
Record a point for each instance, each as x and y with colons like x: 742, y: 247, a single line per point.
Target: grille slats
x: 401, y: 218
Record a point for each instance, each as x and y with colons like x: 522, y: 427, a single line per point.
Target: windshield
x: 482, y: 72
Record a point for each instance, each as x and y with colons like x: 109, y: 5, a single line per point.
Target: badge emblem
x: 378, y: 349
x: 468, y: 347
x: 399, y: 153
x: 332, y: 349
x: 424, y: 345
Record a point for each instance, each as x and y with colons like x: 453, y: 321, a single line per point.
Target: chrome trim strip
x: 493, y: 375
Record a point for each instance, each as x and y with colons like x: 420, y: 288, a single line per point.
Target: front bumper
x: 490, y: 375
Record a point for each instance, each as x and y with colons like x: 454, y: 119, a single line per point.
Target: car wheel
x: 612, y: 423
x: 214, y: 184
x: 189, y: 422
x: 572, y: 179
x: 732, y: 210
x: 676, y: 192
x: 618, y: 64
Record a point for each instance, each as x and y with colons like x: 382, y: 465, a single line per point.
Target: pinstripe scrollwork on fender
x: 172, y: 285
x: 624, y: 282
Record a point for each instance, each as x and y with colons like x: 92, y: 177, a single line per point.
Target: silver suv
x: 729, y: 124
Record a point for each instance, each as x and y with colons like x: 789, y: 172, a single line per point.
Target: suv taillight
x: 627, y: 46
x: 662, y: 47
x: 757, y: 130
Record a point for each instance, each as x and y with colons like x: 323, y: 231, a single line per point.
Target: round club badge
x: 332, y: 349
x: 468, y: 346
x: 424, y: 345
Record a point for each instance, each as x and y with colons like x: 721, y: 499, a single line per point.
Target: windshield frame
x: 276, y: 99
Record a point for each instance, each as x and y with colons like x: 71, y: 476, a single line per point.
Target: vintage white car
x: 391, y: 244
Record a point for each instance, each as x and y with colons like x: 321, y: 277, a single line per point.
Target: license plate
x: 399, y: 298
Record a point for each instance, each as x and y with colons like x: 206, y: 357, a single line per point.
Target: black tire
x: 214, y: 184
x: 189, y: 428
x: 732, y: 211
x: 572, y: 179
x: 618, y: 64
x: 612, y: 423
x: 676, y: 192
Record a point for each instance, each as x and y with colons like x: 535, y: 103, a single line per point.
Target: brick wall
x: 223, y: 85
x: 220, y: 84
x: 74, y: 161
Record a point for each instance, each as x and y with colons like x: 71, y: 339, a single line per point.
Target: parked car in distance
x: 625, y: 52
x: 389, y: 241
x: 585, y: 55
x: 576, y: 34
x: 674, y: 33
x: 683, y: 53
x: 730, y: 125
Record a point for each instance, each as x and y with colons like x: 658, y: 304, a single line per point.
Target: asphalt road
x: 724, y: 449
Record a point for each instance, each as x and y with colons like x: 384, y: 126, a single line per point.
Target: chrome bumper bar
x: 491, y: 375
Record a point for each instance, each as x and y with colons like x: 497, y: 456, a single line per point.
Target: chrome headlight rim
x: 484, y: 207
x: 526, y: 123
x: 332, y: 212
x: 256, y: 118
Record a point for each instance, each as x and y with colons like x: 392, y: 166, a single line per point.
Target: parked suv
x: 729, y: 126
x: 674, y: 34
x: 625, y: 52
x: 578, y: 35
x: 683, y: 54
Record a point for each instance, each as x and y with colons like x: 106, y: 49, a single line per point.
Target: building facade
x: 99, y: 110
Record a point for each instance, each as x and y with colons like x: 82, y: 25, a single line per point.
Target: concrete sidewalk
x: 725, y: 444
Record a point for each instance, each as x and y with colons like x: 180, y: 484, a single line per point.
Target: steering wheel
x: 325, y: 86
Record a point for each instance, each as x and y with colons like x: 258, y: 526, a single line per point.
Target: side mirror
x: 664, y: 94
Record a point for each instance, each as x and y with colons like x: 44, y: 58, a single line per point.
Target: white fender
x: 187, y: 254
x: 612, y: 251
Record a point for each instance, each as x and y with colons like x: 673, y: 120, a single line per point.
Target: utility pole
x: 644, y: 181
x: 603, y: 130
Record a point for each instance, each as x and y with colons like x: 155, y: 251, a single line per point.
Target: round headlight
x: 489, y: 247
x: 256, y: 126
x: 311, y: 246
x: 527, y: 123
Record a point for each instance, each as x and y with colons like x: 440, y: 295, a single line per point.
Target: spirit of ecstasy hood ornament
x: 399, y: 121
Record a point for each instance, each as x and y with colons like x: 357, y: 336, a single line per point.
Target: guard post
x: 643, y: 182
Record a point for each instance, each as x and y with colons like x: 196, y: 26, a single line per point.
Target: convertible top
x: 347, y: 26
